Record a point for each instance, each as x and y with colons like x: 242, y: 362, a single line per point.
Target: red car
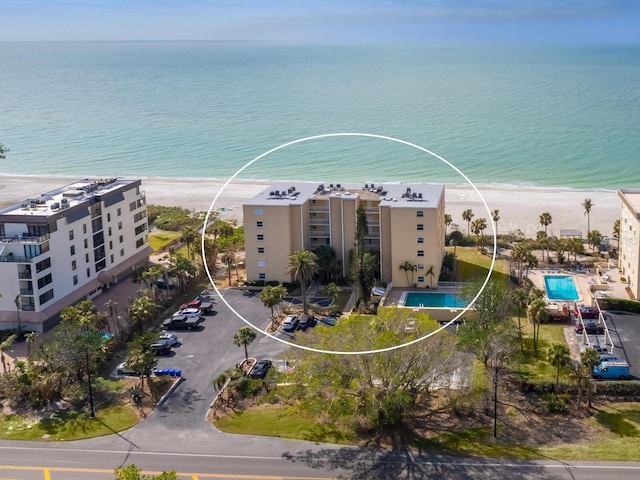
x: 588, y: 312
x: 592, y: 328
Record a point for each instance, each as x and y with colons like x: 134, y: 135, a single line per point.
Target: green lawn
x: 472, y: 264
x: 68, y: 426
x: 158, y: 241
x: 535, y: 366
x: 280, y: 421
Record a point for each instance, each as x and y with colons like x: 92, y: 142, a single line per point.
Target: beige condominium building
x: 406, y: 224
x: 66, y: 245
x: 630, y: 238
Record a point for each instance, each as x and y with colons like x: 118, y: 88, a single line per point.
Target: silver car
x: 290, y: 322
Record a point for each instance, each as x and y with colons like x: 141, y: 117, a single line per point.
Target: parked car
x: 181, y: 322
x: 611, y: 370
x: 260, y: 369
x: 601, y: 349
x: 588, y: 312
x: 290, y: 323
x: 161, y: 347
x: 191, y: 312
x: 607, y: 357
x: 172, y: 338
x: 165, y: 284
x: 204, y: 307
x: 591, y: 328
x: 122, y: 369
x: 328, y: 321
x: 306, y: 321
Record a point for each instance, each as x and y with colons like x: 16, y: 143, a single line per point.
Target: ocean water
x: 538, y: 116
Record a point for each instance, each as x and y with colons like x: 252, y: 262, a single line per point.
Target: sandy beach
x: 520, y: 207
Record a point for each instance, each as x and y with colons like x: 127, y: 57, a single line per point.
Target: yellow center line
x: 47, y: 475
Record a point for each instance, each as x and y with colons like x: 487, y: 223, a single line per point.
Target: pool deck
x: 605, y: 283
x: 395, y: 294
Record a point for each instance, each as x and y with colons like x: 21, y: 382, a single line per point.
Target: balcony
x: 25, y: 239
x: 15, y: 258
x: 28, y: 308
x: 26, y: 291
x: 24, y: 275
x: 319, y: 208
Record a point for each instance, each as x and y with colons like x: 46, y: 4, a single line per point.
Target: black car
x: 306, y: 321
x: 260, y: 369
x: 161, y: 347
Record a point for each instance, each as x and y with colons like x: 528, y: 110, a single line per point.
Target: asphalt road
x: 178, y: 437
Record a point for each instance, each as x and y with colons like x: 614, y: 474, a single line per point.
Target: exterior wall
x: 75, y: 249
x: 277, y: 241
x: 630, y: 239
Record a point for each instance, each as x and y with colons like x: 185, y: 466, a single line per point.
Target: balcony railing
x: 26, y: 291
x: 28, y: 308
x: 25, y: 239
x: 15, y: 259
x: 24, y: 275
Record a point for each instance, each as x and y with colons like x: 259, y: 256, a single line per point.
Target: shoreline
x: 519, y: 206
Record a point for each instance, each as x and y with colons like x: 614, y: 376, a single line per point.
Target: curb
x: 172, y: 388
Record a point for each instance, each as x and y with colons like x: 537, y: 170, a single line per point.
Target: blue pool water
x: 434, y: 299
x: 560, y: 287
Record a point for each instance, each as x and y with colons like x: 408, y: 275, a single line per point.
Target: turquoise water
x: 434, y: 299
x: 560, y: 287
x: 557, y: 116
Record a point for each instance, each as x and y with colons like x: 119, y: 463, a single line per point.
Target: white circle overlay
x: 350, y: 134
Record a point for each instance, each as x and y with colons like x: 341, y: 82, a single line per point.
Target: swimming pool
x: 560, y: 287
x: 434, y: 300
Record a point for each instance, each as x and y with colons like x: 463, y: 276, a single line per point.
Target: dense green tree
x: 244, y: 337
x: 364, y: 263
x: 303, y: 265
x: 190, y: 236
x: 575, y: 246
x: 327, y: 261
x: 331, y: 290
x: 519, y: 297
x: 448, y: 220
x: 131, y: 472
x: 183, y: 270
x: 593, y: 239
x: 141, y: 311
x: 538, y: 313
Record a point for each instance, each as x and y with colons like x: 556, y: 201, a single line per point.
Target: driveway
x: 624, y: 329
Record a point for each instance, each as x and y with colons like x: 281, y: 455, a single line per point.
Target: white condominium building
x: 630, y: 238
x: 66, y: 245
x: 405, y: 224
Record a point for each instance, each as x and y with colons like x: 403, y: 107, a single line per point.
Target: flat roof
x: 414, y: 195
x: 631, y: 198
x: 60, y: 199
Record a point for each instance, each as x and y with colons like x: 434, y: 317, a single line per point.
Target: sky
x: 325, y: 21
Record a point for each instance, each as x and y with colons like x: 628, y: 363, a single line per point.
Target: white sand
x: 520, y: 207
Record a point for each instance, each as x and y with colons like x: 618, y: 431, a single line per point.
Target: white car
x: 290, y: 322
x: 189, y: 312
x: 172, y: 338
x: 122, y: 369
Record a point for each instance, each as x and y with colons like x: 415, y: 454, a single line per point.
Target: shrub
x: 555, y: 405
x: 622, y: 304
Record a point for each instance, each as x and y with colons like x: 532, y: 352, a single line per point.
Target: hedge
x: 621, y: 304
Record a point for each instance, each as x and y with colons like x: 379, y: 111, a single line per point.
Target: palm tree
x: 616, y: 233
x: 594, y: 237
x: 558, y: 358
x: 408, y: 267
x: 587, y: 205
x: 543, y: 241
x: 431, y: 273
x: 537, y: 313
x: 189, y: 236
x: 18, y: 309
x: 575, y: 246
x: 303, y: 265
x: 467, y: 215
x: 31, y: 339
x: 545, y: 220
x: 229, y: 258
x: 244, y: 337
x: 5, y: 346
x: 519, y: 296
x: 448, y: 220
x: 183, y: 269
x: 271, y: 297
x: 495, y: 216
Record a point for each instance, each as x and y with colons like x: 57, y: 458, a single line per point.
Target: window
x: 111, y: 258
x: 72, y: 249
x: 119, y: 225
x: 259, y: 211
x: 75, y: 279
x: 122, y: 252
x: 86, y: 257
x: 260, y: 237
x: 88, y: 272
x: 421, y: 253
x: 110, y: 246
x: 121, y: 238
x: 70, y: 234
x: 86, y: 243
x: 132, y: 206
x: 43, y: 265
x: 260, y: 249
x: 44, y: 281
x: 420, y: 239
x: 119, y: 212
x: 73, y: 265
x: 259, y: 224
x: 421, y: 266
x: 140, y: 242
x: 419, y: 213
x: 262, y: 276
x: 46, y: 296
x: 84, y: 228
x: 420, y: 279
x: 140, y: 228
x: 262, y: 263
x: 139, y: 216
x: 109, y: 231
x: 108, y: 217
x: 420, y: 226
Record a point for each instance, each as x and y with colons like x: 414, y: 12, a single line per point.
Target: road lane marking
x: 47, y: 475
